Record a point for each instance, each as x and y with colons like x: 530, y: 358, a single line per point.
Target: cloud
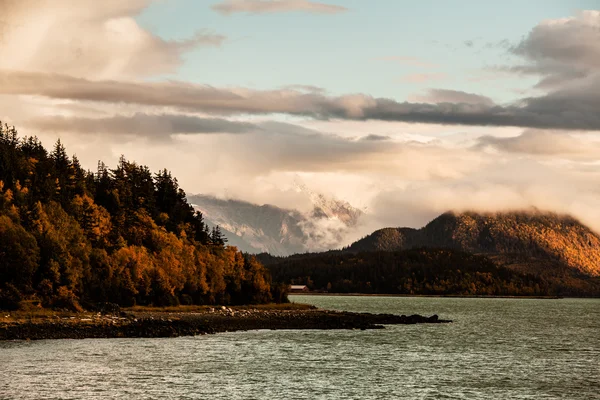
x: 291, y: 148
x: 78, y: 54
x: 228, y: 7
x: 573, y: 108
x: 88, y: 72
x: 375, y: 138
x: 544, y: 143
x: 282, y: 147
x: 91, y: 39
x: 420, y: 78
x: 436, y: 96
x: 400, y: 183
x: 158, y: 126
x: 562, y: 50
x: 500, y: 185
x: 306, y: 88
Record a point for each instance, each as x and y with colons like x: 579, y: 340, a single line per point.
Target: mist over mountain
x: 257, y: 228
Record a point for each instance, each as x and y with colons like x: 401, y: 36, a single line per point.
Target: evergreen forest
x: 72, y: 238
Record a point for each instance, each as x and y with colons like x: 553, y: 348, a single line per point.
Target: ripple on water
x: 495, y: 349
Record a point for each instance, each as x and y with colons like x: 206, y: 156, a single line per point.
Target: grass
x: 30, y: 312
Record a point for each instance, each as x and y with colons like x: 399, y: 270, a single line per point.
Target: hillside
x: 266, y: 228
x: 512, y: 253
x: 527, y: 241
x: 417, y: 271
x: 71, y: 237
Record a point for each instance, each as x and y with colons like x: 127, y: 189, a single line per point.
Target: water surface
x: 495, y: 349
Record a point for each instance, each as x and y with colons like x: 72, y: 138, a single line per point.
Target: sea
x: 495, y: 349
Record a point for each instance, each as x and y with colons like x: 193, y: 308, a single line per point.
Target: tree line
x: 417, y: 271
x: 71, y: 237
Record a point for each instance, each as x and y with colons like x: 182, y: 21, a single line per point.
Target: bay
x: 494, y: 349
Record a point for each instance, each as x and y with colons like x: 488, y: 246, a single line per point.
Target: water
x: 495, y: 349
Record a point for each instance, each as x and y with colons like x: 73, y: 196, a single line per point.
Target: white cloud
x: 88, y: 39
x: 275, y: 6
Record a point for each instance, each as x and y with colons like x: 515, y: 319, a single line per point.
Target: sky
x: 404, y: 109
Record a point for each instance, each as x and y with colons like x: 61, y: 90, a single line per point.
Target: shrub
x: 10, y: 297
x: 186, y: 300
x: 66, y: 299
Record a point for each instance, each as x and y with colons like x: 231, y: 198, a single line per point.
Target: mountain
x: 528, y: 241
x: 257, y: 228
x: 507, y: 253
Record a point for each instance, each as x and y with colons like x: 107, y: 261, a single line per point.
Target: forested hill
x: 416, y: 271
x: 529, y: 241
x: 516, y: 253
x: 125, y: 235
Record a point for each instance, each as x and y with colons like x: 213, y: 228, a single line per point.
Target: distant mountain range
x: 257, y: 228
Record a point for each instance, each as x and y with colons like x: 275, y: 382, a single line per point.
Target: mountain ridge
x: 541, y: 237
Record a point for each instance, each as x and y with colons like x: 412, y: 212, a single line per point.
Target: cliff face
x: 528, y: 241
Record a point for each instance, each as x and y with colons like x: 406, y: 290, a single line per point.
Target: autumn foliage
x: 71, y: 238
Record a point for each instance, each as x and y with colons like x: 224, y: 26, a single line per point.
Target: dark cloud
x: 572, y: 108
x: 453, y: 96
x: 269, y: 6
x: 562, y: 50
x: 375, y: 138
x: 140, y: 124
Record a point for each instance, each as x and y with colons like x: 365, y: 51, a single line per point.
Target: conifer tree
x: 216, y: 236
x: 123, y: 235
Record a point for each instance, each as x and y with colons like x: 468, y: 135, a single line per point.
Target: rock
x: 156, y: 324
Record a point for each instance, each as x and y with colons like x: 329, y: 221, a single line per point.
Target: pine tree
x: 216, y: 236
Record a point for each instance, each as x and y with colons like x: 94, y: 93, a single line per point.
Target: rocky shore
x: 171, y: 324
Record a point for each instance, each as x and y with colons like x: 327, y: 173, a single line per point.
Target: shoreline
x: 459, y: 296
x: 172, y: 323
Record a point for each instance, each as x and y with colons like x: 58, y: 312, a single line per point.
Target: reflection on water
x: 495, y: 349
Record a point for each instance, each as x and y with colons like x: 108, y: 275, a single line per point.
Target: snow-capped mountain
x: 266, y: 228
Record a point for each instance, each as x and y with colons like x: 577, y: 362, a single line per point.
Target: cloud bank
x: 570, y: 108
x: 89, y: 73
